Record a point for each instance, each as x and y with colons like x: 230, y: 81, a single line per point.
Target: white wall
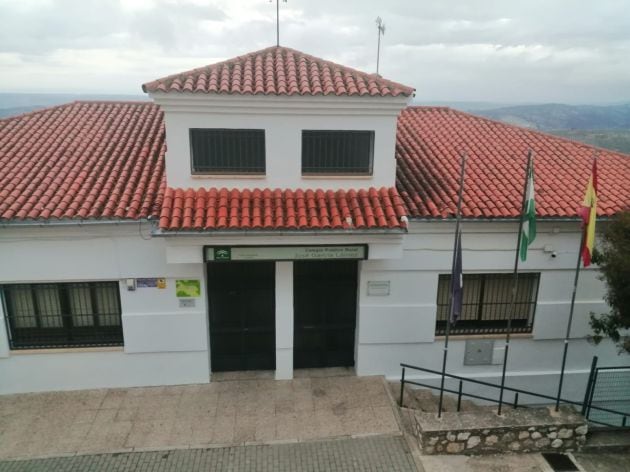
x: 284, y: 320
x: 283, y: 119
x: 34, y: 372
x: 400, y: 327
x: 164, y: 344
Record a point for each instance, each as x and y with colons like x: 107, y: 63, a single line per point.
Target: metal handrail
x: 517, y: 391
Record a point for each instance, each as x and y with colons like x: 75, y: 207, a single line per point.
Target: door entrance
x: 325, y: 310
x: 242, y: 315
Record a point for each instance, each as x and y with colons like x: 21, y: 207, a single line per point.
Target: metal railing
x: 517, y: 393
x: 609, y: 386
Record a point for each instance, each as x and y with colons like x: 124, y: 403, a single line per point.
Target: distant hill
x: 604, y: 126
x: 562, y: 117
x: 462, y: 105
x: 12, y: 104
x: 12, y: 111
x: 615, y: 139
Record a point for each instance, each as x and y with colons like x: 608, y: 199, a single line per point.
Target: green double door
x: 242, y: 314
x: 241, y: 299
x: 325, y: 311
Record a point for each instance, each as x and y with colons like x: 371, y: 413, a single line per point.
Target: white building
x: 301, y: 216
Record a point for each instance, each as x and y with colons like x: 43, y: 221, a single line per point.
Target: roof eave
x: 280, y: 232
x: 64, y: 222
x: 437, y: 219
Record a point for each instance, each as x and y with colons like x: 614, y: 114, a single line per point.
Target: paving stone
x: 384, y: 453
x: 220, y: 413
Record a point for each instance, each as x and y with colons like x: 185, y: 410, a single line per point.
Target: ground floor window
x: 486, y: 303
x: 63, y: 314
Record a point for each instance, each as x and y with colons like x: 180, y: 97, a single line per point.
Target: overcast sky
x: 571, y: 51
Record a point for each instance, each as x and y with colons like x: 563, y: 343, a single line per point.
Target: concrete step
x: 608, y: 440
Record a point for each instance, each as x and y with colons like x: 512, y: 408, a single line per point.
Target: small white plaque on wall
x: 378, y: 288
x: 186, y: 302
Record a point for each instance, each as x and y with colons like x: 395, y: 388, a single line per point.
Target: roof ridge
x: 119, y: 102
x: 34, y: 112
x: 517, y: 127
x: 165, y: 83
x: 431, y: 107
x: 542, y: 133
x: 376, y: 76
x: 73, y: 102
x: 202, y: 68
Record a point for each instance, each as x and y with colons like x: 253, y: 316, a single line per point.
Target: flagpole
x: 592, y: 187
x: 515, y: 280
x: 450, y: 309
x: 566, y: 338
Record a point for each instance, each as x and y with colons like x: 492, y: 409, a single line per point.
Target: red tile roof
x: 267, y: 209
x: 82, y: 160
x: 278, y: 71
x: 430, y: 139
x: 105, y: 160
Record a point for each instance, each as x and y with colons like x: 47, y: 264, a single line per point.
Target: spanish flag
x: 588, y: 212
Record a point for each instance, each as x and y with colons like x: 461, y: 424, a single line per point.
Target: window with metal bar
x: 486, y: 303
x: 63, y: 314
x: 337, y: 152
x: 227, y: 151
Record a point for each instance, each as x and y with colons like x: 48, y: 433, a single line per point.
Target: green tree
x: 613, y: 257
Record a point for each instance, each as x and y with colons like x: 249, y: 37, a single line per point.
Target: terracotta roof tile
x: 278, y: 71
x: 430, y: 139
x: 265, y: 209
x: 105, y: 160
x: 83, y: 160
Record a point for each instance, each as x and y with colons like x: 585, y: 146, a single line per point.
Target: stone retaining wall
x: 563, y: 433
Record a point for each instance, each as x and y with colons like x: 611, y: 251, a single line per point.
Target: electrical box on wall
x: 479, y: 352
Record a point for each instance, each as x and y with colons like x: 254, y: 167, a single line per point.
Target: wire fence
x: 611, y: 390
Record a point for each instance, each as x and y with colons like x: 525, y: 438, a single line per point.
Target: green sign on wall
x: 222, y: 254
x: 284, y: 253
x: 188, y: 288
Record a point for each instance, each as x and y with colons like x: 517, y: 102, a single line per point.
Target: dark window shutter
x: 337, y: 152
x: 227, y: 151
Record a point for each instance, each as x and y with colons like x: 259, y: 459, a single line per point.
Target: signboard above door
x: 283, y: 253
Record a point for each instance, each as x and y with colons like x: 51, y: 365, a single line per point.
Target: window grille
x: 337, y: 152
x: 486, y: 302
x: 63, y: 314
x: 227, y: 151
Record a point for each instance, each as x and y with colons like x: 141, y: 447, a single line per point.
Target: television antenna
x: 381, y: 31
x: 277, y: 20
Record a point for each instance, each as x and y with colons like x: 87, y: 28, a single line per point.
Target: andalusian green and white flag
x: 529, y: 215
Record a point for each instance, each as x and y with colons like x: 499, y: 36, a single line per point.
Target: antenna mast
x: 381, y: 31
x: 277, y: 20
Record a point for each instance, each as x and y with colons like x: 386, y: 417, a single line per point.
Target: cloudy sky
x: 571, y: 51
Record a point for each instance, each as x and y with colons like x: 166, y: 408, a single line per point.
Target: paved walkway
x: 219, y: 413
x: 586, y: 462
x: 383, y: 453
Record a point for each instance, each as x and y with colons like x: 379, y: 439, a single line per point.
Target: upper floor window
x: 63, y: 314
x: 337, y: 152
x: 486, y: 303
x: 227, y: 151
